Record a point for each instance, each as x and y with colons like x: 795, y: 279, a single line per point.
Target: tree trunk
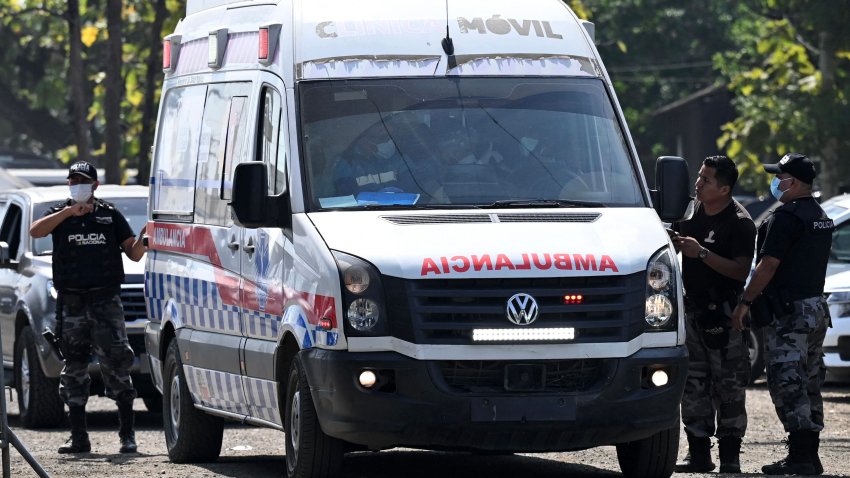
x: 76, y: 78
x: 833, y: 171
x: 114, y: 92
x: 152, y: 69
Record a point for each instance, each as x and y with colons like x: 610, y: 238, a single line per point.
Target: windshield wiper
x: 535, y: 203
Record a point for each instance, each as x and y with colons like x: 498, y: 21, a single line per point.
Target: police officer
x: 793, y: 250
x: 717, y: 245
x: 89, y: 235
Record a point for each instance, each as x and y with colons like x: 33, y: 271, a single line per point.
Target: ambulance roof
x: 341, y: 38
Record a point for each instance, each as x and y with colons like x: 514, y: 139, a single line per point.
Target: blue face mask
x: 774, y: 188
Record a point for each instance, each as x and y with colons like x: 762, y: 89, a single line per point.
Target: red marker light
x: 166, y: 55
x: 325, y: 324
x: 573, y: 299
x: 264, y: 44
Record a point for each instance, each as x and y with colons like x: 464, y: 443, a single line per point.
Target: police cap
x: 795, y: 164
x: 83, y: 169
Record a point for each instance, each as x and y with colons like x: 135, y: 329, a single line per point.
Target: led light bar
x: 522, y: 335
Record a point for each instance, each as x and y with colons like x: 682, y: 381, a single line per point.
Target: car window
x: 28, y: 161
x: 133, y: 209
x: 10, y: 230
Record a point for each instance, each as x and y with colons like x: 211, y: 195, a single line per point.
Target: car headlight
x: 362, y: 296
x: 839, y: 304
x: 51, y: 291
x: 662, y: 291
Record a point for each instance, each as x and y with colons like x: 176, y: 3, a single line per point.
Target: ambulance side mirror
x: 251, y: 205
x: 671, y: 196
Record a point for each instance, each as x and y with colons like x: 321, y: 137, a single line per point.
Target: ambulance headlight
x: 662, y: 293
x: 362, y: 296
x: 356, y: 279
x: 363, y: 314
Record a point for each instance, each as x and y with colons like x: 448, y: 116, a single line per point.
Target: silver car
x: 28, y: 302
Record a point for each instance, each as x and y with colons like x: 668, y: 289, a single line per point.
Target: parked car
x: 33, y: 168
x: 836, y: 345
x: 28, y: 301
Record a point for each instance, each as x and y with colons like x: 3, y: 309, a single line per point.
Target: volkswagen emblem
x: 522, y: 309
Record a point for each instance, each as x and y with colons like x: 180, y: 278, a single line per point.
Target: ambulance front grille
x: 133, y: 300
x: 446, y: 311
x: 488, y: 376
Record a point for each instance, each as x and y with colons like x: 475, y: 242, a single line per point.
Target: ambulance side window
x: 173, y: 184
x: 222, y: 147
x: 271, y: 142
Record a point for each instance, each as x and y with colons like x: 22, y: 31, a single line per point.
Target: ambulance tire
x: 38, y: 394
x: 309, y: 452
x: 191, y: 435
x: 653, y: 456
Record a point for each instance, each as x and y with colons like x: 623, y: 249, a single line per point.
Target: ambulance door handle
x: 249, y: 247
x: 233, y: 245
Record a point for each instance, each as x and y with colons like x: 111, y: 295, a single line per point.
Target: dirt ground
x: 256, y: 452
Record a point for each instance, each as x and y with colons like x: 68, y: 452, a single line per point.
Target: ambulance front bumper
x: 412, y: 405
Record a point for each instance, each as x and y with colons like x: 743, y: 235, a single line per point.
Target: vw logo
x: 522, y: 309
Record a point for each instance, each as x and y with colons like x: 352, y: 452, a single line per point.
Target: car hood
x: 497, y: 243
x: 837, y: 282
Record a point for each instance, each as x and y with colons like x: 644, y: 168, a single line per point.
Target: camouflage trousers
x: 714, y: 401
x: 95, y: 325
x: 795, y: 368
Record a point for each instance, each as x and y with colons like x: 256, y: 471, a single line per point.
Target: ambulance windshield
x: 437, y: 142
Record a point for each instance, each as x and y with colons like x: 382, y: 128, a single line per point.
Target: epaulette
x: 104, y: 204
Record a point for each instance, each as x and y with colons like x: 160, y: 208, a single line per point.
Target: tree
x: 58, y: 94
x: 790, y: 77
x: 114, y: 91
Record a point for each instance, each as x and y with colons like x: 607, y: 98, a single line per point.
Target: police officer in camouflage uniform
x: 787, y: 287
x: 89, y: 236
x: 717, y: 244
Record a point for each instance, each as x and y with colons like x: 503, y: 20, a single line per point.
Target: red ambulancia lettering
x: 545, y: 261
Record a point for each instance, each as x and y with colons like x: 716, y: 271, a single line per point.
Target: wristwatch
x: 702, y: 254
x: 746, y: 302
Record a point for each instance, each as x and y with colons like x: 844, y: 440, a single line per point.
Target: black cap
x: 83, y: 169
x: 795, y: 164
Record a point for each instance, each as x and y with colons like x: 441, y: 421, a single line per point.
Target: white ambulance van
x: 423, y: 224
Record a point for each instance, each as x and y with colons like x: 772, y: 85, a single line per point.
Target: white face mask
x: 80, y: 192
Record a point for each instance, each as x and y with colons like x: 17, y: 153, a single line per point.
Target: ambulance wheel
x: 191, y: 435
x: 309, y: 452
x: 653, y: 456
x: 38, y: 395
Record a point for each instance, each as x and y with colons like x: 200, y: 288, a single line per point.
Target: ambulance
x: 423, y: 224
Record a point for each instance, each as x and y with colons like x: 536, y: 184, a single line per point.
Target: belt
x: 97, y: 291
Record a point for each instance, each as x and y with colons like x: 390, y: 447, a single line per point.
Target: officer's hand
x: 687, y: 245
x: 79, y: 209
x: 738, y: 317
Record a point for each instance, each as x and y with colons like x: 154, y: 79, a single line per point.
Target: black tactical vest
x: 86, y: 253
x: 802, y: 271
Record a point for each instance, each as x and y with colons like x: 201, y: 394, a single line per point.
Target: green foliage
x: 35, y: 64
x: 777, y: 73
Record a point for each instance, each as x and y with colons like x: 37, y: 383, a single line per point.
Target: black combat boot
x: 126, y: 434
x: 698, y: 459
x: 79, y: 441
x: 799, y: 459
x: 814, y: 444
x: 730, y: 451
